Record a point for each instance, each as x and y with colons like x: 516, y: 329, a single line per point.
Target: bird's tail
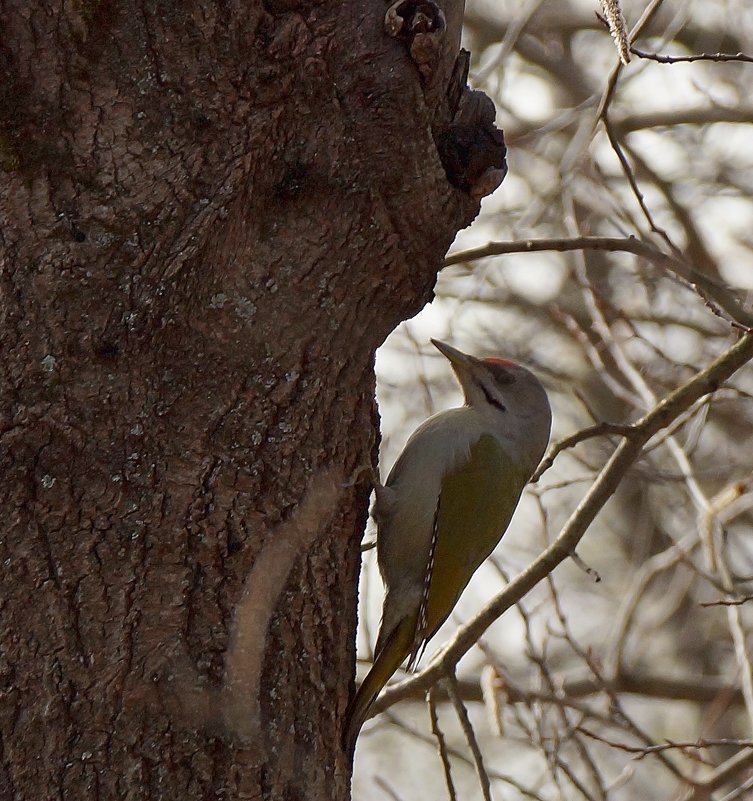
x: 396, y: 647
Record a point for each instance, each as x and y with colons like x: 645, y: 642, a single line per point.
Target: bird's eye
x: 501, y: 371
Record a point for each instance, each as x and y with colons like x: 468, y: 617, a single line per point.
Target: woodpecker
x: 446, y: 504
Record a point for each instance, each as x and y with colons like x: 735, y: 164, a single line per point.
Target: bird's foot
x: 356, y: 476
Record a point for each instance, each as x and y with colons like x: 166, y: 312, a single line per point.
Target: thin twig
x: 597, y: 430
x: 615, y: 703
x: 441, y: 744
x: 633, y: 182
x: 587, y: 569
x: 643, y: 750
x: 742, y: 760
x: 738, y: 791
x: 720, y: 294
x: 696, y: 689
x: 662, y: 59
x: 611, y: 86
x: 735, y: 602
x: 461, y: 757
x: 470, y: 735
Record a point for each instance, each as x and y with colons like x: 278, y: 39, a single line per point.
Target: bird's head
x: 499, y: 388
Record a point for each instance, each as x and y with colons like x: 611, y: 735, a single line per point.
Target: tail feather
x: 388, y: 659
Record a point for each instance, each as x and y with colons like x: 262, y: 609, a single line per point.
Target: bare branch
x: 668, y: 118
x: 642, y: 750
x: 441, y: 744
x: 733, y: 602
x: 741, y: 761
x: 597, y: 430
x: 470, y: 735
x: 675, y: 265
x: 696, y: 689
x: 663, y: 59
x: 633, y: 182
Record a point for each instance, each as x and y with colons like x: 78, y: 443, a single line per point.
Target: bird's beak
x: 457, y: 357
x: 467, y: 368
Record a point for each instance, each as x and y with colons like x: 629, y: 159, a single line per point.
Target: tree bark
x: 212, y: 215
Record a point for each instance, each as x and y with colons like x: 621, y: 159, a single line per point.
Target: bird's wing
x: 421, y: 628
x: 405, y: 507
x: 476, y: 503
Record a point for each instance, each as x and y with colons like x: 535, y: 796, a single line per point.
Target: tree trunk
x: 212, y: 214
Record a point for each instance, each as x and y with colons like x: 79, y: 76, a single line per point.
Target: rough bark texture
x: 212, y: 214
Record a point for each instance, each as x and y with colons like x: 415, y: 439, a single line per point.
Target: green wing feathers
x: 490, y: 484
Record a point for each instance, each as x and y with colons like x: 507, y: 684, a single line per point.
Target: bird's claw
x: 355, y: 476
